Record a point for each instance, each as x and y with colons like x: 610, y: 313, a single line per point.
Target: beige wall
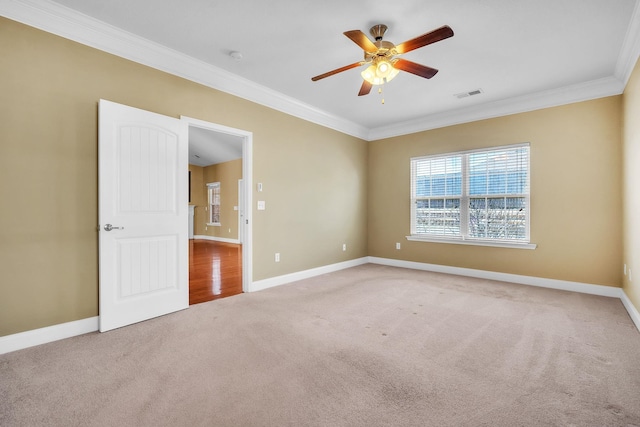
x: 631, y: 173
x: 576, y: 203
x: 227, y: 174
x: 198, y: 198
x: 314, y: 177
x: 322, y: 188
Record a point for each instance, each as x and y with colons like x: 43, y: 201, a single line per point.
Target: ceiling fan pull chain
x: 380, y: 92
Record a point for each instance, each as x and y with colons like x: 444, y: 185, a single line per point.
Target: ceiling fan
x: 381, y: 56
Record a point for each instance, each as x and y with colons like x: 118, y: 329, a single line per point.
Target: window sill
x: 214, y: 224
x: 513, y: 245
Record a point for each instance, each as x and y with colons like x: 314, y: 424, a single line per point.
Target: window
x: 479, y: 196
x: 213, y: 197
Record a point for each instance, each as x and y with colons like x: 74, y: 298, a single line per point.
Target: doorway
x: 220, y: 179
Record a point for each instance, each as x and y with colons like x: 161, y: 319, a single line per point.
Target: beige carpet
x: 367, y: 346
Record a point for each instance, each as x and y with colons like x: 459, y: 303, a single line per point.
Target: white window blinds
x: 480, y: 194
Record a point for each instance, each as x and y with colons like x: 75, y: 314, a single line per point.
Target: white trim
x: 73, y: 25
x: 260, y: 285
x: 217, y: 239
x: 70, y: 24
x: 631, y: 309
x: 512, y: 245
x: 40, y: 336
x: 247, y: 177
x: 584, y: 288
x: 630, y: 48
x: 585, y: 91
x: 49, y: 334
x: 446, y: 154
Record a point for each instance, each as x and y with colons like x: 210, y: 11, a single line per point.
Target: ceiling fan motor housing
x: 377, y: 31
x: 385, y: 49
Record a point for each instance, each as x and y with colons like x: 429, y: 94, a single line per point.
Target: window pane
x: 497, y: 218
x: 477, y: 218
x: 497, y: 183
x: 213, y: 195
x: 436, y: 203
x: 499, y: 171
x: 516, y: 225
x: 423, y: 186
x: 438, y: 217
x: 477, y: 184
x: 438, y: 177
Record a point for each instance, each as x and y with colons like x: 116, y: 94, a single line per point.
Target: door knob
x: 110, y: 227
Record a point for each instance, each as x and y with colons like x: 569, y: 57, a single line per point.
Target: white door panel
x: 143, y: 195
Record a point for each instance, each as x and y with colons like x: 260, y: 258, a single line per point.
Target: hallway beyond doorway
x: 215, y: 270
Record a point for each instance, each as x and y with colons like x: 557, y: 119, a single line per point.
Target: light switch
x: 259, y: 186
x: 261, y: 205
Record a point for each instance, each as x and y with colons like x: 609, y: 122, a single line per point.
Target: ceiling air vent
x: 467, y: 94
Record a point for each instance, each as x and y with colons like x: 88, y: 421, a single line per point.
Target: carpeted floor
x: 367, y: 346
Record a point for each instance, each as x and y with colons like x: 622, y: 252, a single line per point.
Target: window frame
x: 213, y: 186
x: 464, y: 211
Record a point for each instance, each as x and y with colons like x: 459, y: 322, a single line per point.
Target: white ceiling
x: 523, y: 55
x: 207, y: 147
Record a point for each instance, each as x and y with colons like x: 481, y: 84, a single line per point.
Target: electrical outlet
x: 277, y: 256
x: 398, y: 245
x: 344, y: 246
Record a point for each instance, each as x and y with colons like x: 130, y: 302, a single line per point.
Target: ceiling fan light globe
x: 373, y: 75
x: 383, y: 69
x: 369, y: 74
x: 394, y: 72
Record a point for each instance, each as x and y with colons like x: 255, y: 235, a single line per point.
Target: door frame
x: 247, y: 170
x: 241, y: 210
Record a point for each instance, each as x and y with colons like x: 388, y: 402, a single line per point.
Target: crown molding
x: 70, y: 24
x: 630, y: 50
x: 62, y: 21
x: 586, y: 91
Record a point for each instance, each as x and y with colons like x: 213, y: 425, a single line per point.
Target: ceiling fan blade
x: 336, y: 71
x: 441, y: 33
x: 413, y: 68
x: 359, y: 38
x: 365, y: 88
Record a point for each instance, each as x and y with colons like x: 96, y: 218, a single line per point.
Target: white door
x: 142, y: 215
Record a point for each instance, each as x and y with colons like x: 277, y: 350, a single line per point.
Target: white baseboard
x: 631, y: 309
x: 584, y: 288
x: 217, y: 239
x: 306, y: 274
x: 35, y: 337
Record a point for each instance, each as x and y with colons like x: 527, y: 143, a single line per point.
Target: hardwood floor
x: 215, y: 270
